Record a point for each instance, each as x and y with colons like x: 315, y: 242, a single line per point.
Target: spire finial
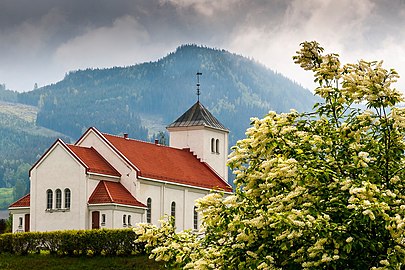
x: 198, y: 85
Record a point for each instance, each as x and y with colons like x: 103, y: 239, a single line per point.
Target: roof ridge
x: 81, y: 152
x: 102, y: 157
x: 75, y: 155
x: 108, y: 191
x: 215, y: 172
x: 74, y: 145
x: 140, y: 141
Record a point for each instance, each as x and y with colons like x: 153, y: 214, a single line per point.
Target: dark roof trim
x: 63, y: 144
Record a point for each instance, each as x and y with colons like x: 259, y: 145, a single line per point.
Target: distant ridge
x: 115, y: 99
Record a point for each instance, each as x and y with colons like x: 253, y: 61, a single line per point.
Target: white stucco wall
x: 114, y: 215
x: 58, y: 170
x: 91, y: 186
x: 155, y: 192
x: 18, y: 213
x: 198, y: 139
x: 163, y: 194
x: 108, y: 219
x: 118, y: 219
x: 192, y: 196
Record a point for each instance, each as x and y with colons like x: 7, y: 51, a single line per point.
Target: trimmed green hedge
x: 89, y: 242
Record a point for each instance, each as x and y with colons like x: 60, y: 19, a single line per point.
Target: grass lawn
x: 44, y: 261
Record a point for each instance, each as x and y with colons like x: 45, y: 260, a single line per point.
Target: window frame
x: 68, y: 196
x: 195, y: 218
x: 49, y: 199
x: 173, y: 212
x: 212, y: 145
x: 149, y: 210
x: 103, y: 219
x: 58, y: 199
x: 124, y: 220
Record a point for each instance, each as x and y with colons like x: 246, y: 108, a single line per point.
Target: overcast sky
x: 42, y: 40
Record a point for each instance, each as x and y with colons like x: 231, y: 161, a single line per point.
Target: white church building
x: 108, y: 181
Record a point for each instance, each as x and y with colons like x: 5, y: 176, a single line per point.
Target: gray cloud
x: 42, y: 40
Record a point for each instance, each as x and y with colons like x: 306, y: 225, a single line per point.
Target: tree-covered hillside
x: 22, y: 143
x: 123, y: 99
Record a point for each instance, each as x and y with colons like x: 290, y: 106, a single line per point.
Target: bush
x: 3, y: 226
x: 317, y: 190
x: 72, y: 243
x: 6, y: 243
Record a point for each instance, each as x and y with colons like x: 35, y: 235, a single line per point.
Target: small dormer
x: 206, y: 137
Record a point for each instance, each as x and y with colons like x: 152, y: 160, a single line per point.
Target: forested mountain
x: 141, y: 100
x: 123, y: 99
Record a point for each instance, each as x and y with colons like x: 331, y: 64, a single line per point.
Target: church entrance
x: 95, y: 220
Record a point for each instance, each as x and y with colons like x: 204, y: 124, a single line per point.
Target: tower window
x: 149, y: 210
x: 212, y: 145
x: 49, y: 199
x: 217, y: 146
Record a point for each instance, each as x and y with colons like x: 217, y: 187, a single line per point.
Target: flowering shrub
x: 319, y: 190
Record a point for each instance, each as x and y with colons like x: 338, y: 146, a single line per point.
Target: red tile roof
x: 23, y: 202
x: 113, y: 192
x: 167, y: 163
x: 93, y: 160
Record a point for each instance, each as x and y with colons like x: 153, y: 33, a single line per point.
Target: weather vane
x: 198, y: 85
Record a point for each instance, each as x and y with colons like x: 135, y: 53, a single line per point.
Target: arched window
x: 173, y: 212
x: 213, y: 145
x: 58, y: 194
x: 149, y: 210
x: 129, y: 220
x: 124, y: 220
x: 67, y: 198
x: 217, y: 146
x: 195, y: 218
x: 49, y: 199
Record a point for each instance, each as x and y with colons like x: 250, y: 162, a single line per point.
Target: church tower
x: 206, y: 137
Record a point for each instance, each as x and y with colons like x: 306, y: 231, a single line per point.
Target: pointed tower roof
x: 197, y: 115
